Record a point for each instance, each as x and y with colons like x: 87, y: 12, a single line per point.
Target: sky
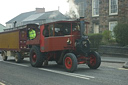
x: 11, y: 8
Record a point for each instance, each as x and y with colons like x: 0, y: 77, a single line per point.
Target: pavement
x: 114, y: 59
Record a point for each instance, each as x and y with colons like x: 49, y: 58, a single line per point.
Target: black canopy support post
x: 82, y: 26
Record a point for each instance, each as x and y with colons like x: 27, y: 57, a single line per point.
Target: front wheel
x: 94, y: 60
x: 70, y: 62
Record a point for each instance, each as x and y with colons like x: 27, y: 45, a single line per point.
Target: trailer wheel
x: 18, y: 58
x: 4, y: 57
x: 70, y: 62
x: 36, y: 57
x: 94, y: 60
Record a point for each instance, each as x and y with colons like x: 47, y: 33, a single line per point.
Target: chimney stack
x: 40, y: 10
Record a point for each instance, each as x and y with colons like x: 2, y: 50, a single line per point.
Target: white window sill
x: 95, y: 15
x: 113, y: 13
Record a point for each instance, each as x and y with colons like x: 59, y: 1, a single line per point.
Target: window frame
x: 111, y: 23
x: 115, y: 22
x: 81, y: 11
x: 110, y: 13
x: 95, y: 15
x: 95, y: 28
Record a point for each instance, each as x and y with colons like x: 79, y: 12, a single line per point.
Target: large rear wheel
x: 70, y: 62
x: 36, y: 57
x: 94, y: 60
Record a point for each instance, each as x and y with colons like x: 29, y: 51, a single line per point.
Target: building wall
x: 104, y: 18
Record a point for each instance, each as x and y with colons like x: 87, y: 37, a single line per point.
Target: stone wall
x: 104, y: 18
x: 113, y: 50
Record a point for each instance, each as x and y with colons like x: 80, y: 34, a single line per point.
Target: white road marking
x: 122, y: 69
x: 68, y: 74
x: 16, y: 64
x: 2, y: 83
x: 58, y: 72
x: 117, y: 68
x: 111, y: 67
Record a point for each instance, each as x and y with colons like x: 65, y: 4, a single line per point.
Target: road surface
x: 12, y: 73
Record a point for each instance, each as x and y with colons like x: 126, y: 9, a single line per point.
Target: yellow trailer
x: 9, y: 40
x: 13, y: 42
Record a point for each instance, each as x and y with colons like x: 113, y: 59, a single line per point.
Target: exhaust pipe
x: 82, y: 26
x: 15, y: 24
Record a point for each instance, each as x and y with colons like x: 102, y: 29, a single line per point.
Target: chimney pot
x: 40, y: 10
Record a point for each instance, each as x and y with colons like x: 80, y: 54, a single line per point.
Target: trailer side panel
x: 9, y: 40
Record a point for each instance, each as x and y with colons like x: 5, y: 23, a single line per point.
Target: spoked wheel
x: 18, y: 58
x: 36, y: 57
x: 70, y: 62
x: 94, y: 60
x: 4, y: 57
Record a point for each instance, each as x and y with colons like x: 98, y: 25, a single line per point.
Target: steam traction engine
x: 63, y: 42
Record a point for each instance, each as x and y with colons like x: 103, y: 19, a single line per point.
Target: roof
x: 33, y: 16
x: 68, y: 21
x: 21, y: 17
x: 2, y: 27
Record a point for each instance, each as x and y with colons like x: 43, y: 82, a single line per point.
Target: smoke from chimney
x: 73, y: 9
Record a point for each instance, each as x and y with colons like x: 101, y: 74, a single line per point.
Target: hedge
x: 95, y: 40
x: 121, y: 33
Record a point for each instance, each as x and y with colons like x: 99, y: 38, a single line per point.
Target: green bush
x: 107, y: 35
x: 108, y: 38
x: 112, y: 41
x: 95, y: 40
x: 121, y: 33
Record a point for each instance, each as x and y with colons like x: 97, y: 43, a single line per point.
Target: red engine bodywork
x: 56, y: 43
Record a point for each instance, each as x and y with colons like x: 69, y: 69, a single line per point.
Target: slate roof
x: 2, y: 27
x: 21, y: 17
x: 35, y: 17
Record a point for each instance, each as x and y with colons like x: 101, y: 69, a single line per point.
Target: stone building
x: 103, y: 14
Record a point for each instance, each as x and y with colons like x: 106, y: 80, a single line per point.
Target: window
x: 95, y: 7
x: 57, y: 29
x: 81, y: 9
x: 62, y: 29
x: 111, y: 26
x: 96, y: 28
x: 113, y: 7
